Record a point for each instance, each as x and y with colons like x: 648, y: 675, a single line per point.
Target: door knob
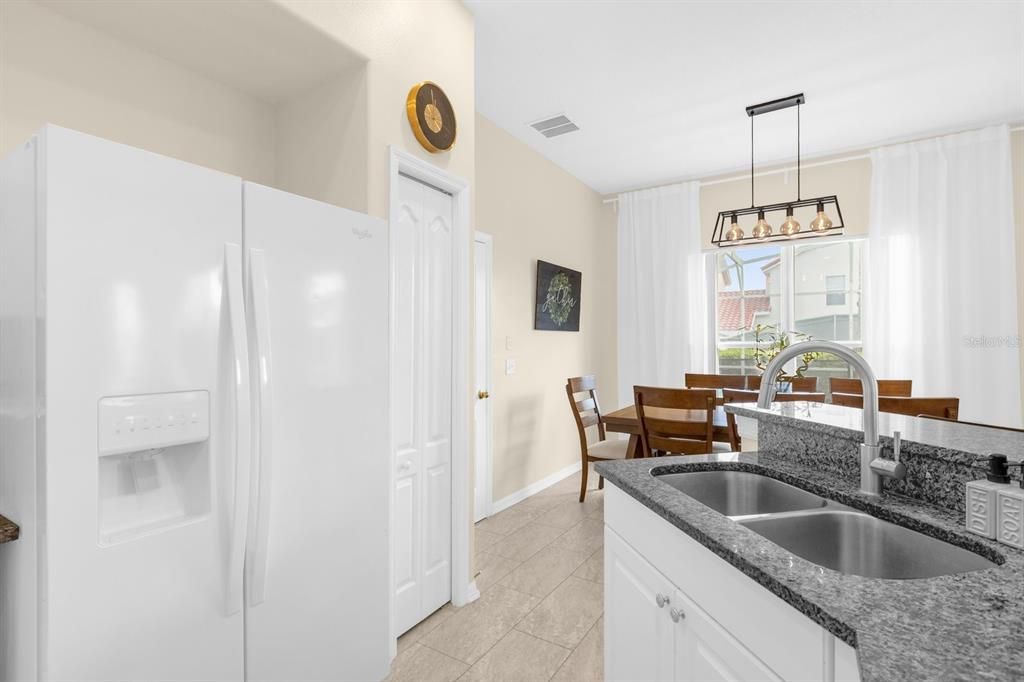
x: 482, y: 394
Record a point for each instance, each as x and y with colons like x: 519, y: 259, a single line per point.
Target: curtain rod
x: 785, y: 169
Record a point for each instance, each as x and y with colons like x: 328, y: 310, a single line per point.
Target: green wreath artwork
x: 559, y: 302
x: 558, y: 298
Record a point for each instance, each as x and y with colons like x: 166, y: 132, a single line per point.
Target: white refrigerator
x: 193, y: 423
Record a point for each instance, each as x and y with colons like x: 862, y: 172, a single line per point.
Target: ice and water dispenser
x: 154, y: 467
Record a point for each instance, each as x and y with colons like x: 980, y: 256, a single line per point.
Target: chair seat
x: 608, y: 449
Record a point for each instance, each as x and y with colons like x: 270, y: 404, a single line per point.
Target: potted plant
x: 770, y: 341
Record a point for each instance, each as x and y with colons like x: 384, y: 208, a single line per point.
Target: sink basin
x: 740, y: 493
x: 859, y: 544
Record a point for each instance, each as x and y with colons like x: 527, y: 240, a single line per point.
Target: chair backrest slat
x: 715, y: 380
x: 801, y: 384
x: 733, y: 396
x: 895, y: 388
x: 942, y: 407
x: 666, y: 432
x: 586, y: 411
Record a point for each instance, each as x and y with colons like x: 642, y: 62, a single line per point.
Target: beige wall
x: 108, y: 88
x: 321, y: 149
x: 405, y: 43
x: 535, y: 210
x: 330, y: 142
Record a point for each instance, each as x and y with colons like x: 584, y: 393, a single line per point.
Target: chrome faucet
x: 873, y: 467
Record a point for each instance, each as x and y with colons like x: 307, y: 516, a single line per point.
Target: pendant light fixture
x: 790, y: 228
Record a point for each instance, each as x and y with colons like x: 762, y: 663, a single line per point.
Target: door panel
x: 136, y: 544
x: 323, y: 615
x: 705, y: 652
x: 638, y: 632
x: 421, y: 390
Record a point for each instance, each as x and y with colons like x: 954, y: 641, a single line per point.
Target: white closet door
x: 421, y: 401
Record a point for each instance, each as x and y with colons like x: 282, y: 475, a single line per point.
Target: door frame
x: 488, y: 491
x: 464, y: 588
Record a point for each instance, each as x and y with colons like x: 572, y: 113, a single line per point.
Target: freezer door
x: 143, y: 377
x: 317, y: 560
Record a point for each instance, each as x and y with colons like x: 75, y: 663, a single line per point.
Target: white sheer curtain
x: 941, y: 303
x: 662, y: 308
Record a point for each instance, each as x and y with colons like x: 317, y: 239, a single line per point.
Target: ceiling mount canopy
x: 728, y: 231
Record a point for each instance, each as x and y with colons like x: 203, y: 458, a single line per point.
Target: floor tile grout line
x: 578, y: 645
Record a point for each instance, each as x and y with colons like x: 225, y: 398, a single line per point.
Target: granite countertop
x: 8, y: 530
x: 945, y: 438
x: 958, y: 627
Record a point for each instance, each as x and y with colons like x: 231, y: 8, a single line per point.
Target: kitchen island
x: 959, y: 626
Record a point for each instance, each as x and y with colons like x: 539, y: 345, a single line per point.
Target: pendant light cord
x: 751, y: 162
x: 798, y: 152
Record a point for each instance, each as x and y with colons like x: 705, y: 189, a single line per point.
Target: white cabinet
x: 705, y: 652
x: 675, y: 610
x: 637, y: 616
x: 654, y: 632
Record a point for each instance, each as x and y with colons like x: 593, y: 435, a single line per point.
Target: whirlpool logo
x: 361, y: 234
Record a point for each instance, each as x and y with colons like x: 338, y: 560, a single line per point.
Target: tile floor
x: 539, y: 616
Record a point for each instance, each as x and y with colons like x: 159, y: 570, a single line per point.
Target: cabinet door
x: 638, y: 632
x: 705, y: 652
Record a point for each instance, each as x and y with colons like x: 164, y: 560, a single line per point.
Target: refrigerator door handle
x: 256, y: 562
x: 243, y: 427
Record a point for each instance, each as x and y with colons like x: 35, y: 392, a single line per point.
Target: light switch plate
x: 510, y: 366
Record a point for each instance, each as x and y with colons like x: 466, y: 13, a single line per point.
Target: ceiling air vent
x: 555, y: 126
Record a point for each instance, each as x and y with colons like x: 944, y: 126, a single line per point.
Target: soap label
x: 980, y: 515
x: 1010, y: 519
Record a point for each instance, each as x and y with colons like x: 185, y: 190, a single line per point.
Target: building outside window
x: 812, y: 288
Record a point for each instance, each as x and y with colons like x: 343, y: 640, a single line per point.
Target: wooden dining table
x: 624, y: 420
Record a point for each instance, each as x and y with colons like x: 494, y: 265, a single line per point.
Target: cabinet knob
x: 676, y: 614
x: 661, y: 600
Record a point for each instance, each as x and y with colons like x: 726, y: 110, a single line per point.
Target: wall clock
x: 431, y: 116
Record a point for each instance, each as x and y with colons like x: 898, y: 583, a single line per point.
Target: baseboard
x: 534, y: 488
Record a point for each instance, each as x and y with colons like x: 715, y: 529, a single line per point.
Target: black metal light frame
x: 725, y: 217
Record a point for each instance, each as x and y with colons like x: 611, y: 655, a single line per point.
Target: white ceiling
x: 659, y: 88
x: 256, y: 47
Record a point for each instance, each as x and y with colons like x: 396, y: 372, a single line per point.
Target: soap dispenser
x: 980, y: 514
x: 1010, y: 513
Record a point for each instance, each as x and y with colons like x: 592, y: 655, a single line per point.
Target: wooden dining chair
x: 730, y: 395
x: 895, y: 388
x: 944, y: 407
x: 587, y: 413
x: 800, y: 384
x: 714, y: 380
x: 662, y: 432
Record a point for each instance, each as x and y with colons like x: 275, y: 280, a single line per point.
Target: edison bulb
x: 822, y: 222
x: 761, y: 229
x: 790, y: 227
x: 735, y: 232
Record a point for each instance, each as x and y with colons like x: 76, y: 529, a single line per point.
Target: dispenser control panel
x: 135, y: 423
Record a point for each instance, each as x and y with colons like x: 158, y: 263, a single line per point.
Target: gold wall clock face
x: 431, y: 116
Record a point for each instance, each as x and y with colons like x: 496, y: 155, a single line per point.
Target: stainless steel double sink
x: 823, y: 531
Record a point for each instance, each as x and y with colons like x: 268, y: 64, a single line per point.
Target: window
x: 835, y: 289
x: 813, y: 288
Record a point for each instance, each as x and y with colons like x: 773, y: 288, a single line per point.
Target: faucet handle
x: 891, y: 468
